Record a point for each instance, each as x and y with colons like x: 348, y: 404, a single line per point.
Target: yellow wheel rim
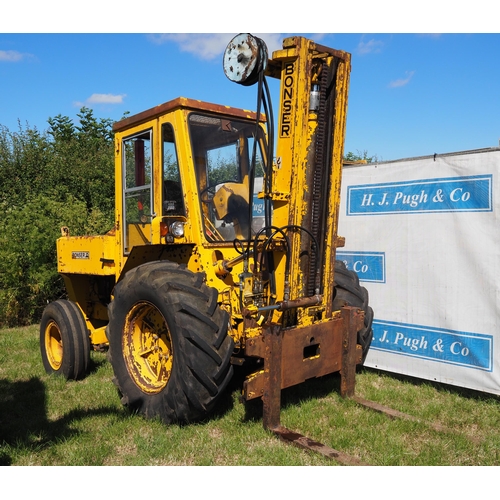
x: 147, y: 347
x: 53, y: 345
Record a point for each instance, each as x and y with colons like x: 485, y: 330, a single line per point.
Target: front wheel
x: 348, y: 292
x: 168, y: 343
x: 64, y: 340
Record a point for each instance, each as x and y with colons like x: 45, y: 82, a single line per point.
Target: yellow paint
x: 147, y: 348
x: 100, y: 256
x: 53, y: 345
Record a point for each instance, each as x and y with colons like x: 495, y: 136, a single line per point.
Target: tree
x: 84, y: 158
x: 360, y: 157
x: 61, y: 177
x: 28, y: 264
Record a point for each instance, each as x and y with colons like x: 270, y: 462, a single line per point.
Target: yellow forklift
x: 223, y: 251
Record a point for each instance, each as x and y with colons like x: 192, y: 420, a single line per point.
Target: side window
x: 137, y: 187
x: 172, y: 195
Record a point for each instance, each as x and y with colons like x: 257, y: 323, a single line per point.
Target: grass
x: 47, y: 421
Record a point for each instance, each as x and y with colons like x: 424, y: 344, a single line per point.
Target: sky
x: 414, y: 91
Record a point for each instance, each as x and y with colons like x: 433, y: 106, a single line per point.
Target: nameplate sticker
x: 369, y: 266
x: 80, y: 255
x: 454, y: 194
x: 465, y: 349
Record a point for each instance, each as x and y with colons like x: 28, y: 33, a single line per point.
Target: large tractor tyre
x: 348, y: 292
x: 64, y: 340
x: 168, y: 343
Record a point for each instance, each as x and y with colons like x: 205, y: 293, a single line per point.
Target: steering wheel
x: 207, y: 194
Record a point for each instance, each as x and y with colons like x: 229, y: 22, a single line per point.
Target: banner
x: 423, y: 234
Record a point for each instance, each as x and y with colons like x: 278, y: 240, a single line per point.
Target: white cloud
x: 430, y: 35
x: 203, y: 46
x: 274, y: 41
x: 105, y: 99
x: 370, y: 47
x: 12, y: 56
x: 101, y: 99
x: 208, y: 46
x: 401, y: 82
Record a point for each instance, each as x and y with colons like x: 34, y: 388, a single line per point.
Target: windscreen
x: 222, y: 153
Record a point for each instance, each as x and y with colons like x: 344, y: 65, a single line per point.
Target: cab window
x: 222, y: 150
x: 172, y: 195
x: 137, y: 191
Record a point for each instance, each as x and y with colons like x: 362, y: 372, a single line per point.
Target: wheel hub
x: 53, y: 345
x: 147, y: 347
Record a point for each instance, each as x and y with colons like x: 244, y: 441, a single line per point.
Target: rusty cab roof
x: 182, y: 102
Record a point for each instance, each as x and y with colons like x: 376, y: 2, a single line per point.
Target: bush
x: 28, y: 260
x: 63, y: 177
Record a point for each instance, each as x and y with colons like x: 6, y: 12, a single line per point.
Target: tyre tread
x: 202, y: 348
x: 75, y: 338
x: 348, y: 291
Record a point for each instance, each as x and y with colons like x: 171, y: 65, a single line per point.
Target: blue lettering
x: 454, y: 194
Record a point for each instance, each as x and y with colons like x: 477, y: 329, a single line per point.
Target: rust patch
x: 309, y: 444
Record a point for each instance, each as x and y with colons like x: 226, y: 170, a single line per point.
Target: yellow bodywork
x: 87, y: 255
x: 92, y: 265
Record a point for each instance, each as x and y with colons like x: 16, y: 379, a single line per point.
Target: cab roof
x: 186, y: 103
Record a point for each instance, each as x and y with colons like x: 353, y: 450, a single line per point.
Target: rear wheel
x: 168, y: 343
x: 64, y: 340
x: 348, y: 292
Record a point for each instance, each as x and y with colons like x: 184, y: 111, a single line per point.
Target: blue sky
x: 410, y: 94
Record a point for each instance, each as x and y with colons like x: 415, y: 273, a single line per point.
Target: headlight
x: 177, y: 229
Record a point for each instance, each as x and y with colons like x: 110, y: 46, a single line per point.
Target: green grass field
x: 47, y: 421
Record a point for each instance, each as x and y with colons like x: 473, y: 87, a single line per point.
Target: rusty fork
x: 271, y: 397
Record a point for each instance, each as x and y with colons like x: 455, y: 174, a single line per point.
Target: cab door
x: 137, y: 171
